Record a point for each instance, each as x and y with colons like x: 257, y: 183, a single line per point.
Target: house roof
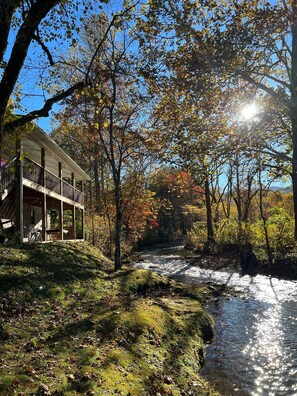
x: 53, y: 154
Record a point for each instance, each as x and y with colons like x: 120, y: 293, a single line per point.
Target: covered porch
x: 42, y: 192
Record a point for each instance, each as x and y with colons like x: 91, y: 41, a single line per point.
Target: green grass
x: 72, y: 326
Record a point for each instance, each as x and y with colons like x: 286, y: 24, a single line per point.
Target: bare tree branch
x: 37, y: 38
x: 44, y: 111
x: 260, y: 85
x: 110, y: 25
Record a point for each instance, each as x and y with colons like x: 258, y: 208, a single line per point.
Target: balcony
x: 37, y: 174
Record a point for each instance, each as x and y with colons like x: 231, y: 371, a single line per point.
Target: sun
x: 249, y: 111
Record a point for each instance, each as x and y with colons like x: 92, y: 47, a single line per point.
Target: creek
x: 255, y: 347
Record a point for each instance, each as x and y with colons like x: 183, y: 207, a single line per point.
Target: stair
x: 7, y: 209
x: 7, y: 217
x: 3, y: 194
x: 7, y: 176
x: 7, y: 205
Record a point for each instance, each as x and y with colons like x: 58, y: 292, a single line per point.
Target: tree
x: 251, y: 42
x: 264, y: 55
x: 174, y: 192
x: 190, y: 118
x: 112, y: 114
x: 43, y: 29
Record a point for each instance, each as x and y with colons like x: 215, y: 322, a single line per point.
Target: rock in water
x: 248, y: 261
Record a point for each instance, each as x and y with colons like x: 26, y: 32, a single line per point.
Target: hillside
x: 70, y: 325
x: 283, y: 190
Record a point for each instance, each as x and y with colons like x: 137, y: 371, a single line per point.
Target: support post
x: 83, y: 192
x: 43, y: 203
x: 83, y: 223
x: 61, y: 176
x: 42, y: 157
x: 73, y: 222
x: 20, y: 194
x: 73, y: 185
x: 44, y: 219
x: 61, y: 220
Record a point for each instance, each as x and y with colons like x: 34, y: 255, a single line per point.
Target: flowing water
x: 255, y: 347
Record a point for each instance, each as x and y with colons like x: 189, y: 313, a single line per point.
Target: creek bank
x: 284, y: 267
x: 71, y: 326
x: 254, y: 349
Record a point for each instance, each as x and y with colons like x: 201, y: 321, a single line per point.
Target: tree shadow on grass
x: 38, y: 269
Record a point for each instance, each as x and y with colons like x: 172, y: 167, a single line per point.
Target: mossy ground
x: 69, y: 325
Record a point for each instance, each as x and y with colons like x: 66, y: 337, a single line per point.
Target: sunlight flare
x: 249, y: 111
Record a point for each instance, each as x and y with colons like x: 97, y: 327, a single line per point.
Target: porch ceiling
x: 35, y: 198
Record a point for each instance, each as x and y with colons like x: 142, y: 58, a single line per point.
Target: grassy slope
x: 71, y: 326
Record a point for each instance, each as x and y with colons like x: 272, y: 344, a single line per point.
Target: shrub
x: 280, y: 229
x: 197, y: 236
x: 98, y: 233
x: 227, y: 232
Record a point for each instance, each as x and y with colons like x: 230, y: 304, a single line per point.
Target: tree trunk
x: 118, y: 229
x: 209, y: 224
x: 97, y: 187
x: 92, y: 213
x: 293, y: 112
x: 238, y: 202
x: 263, y: 217
x: 24, y: 37
x: 294, y: 180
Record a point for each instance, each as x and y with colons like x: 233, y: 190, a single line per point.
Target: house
x: 41, y: 191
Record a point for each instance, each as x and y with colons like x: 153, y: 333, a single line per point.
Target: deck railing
x: 7, y: 174
x: 35, y: 173
x: 52, y: 182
